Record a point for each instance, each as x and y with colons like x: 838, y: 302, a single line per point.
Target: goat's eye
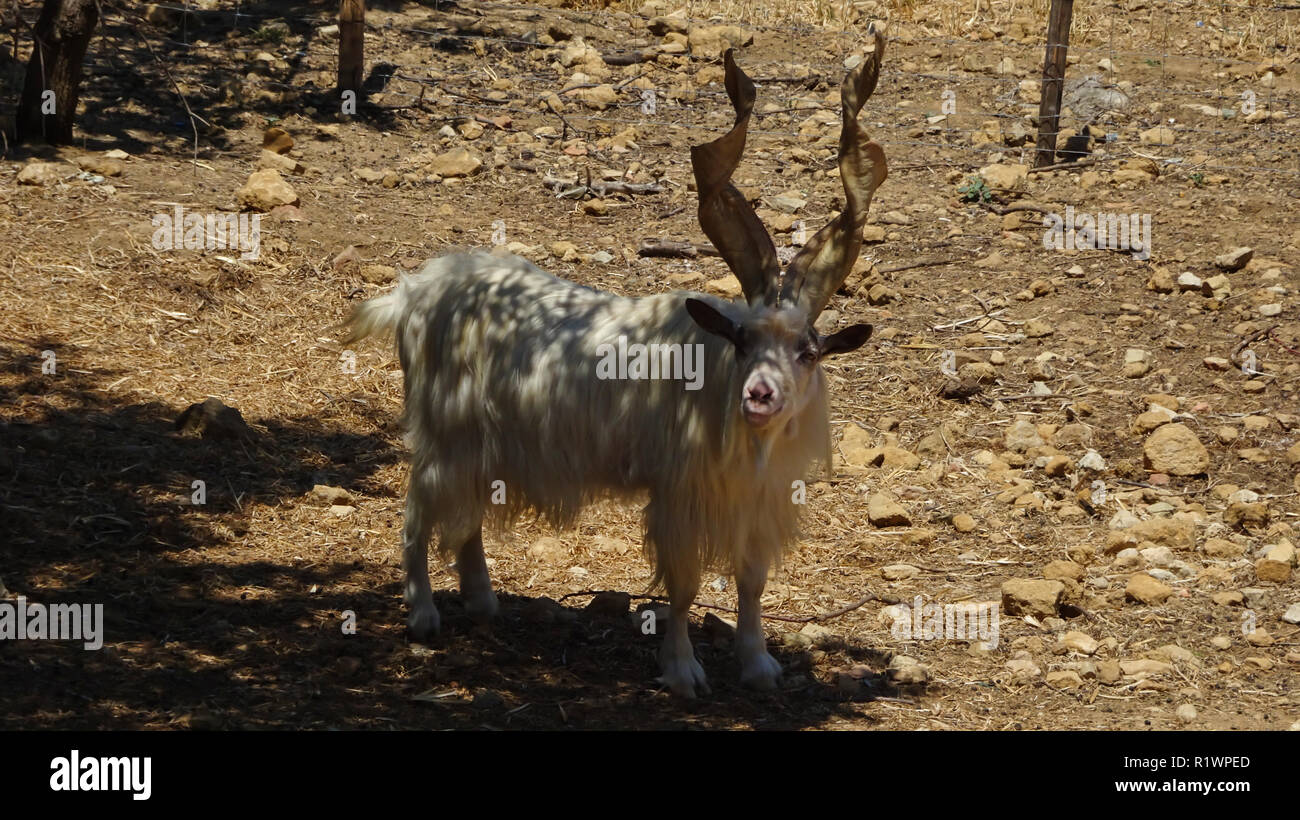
x: 807, y: 355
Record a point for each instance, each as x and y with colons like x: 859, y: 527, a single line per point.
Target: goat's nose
x: 761, y: 392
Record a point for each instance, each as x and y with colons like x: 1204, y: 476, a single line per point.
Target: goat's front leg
x: 682, y: 673
x: 758, y: 669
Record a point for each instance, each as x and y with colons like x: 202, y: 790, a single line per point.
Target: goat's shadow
x: 540, y: 653
x: 97, y: 509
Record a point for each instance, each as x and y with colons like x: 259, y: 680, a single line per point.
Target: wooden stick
x: 1253, y: 337
x: 1001, y: 210
x: 1061, y: 166
x: 623, y: 58
x: 352, y: 61
x: 1049, y: 106
x: 924, y: 263
x: 674, y: 249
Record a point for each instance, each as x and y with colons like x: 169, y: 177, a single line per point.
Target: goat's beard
x: 764, y: 439
x: 791, y: 430
x: 763, y: 442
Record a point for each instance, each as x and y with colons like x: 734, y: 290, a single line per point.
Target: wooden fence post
x: 1049, y: 106
x: 352, y: 59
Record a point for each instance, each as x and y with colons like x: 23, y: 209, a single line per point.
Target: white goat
x: 506, y: 379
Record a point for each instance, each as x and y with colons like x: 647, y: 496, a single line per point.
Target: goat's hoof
x: 481, y: 607
x: 685, y: 677
x: 424, y: 624
x: 762, y: 671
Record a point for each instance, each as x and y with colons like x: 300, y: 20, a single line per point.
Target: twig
x: 924, y: 165
x: 1003, y: 211
x: 1256, y: 336
x: 1137, y: 484
x: 566, y: 123
x: 136, y: 31
x: 844, y: 610
x: 960, y: 322
x: 810, y: 81
x: 1073, y: 164
x: 924, y: 263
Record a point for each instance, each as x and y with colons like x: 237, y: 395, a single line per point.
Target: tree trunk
x: 63, y: 33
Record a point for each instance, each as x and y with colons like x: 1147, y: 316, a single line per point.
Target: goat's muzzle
x: 761, y: 402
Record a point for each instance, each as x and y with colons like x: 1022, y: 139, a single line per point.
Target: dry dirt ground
x: 229, y: 614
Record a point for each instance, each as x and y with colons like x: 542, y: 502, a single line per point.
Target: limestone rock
x: 1174, y: 449
x: 1142, y: 587
x: 264, y: 190
x: 1028, y: 596
x: 883, y: 511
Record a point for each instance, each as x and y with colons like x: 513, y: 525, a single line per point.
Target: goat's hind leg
x: 423, y: 621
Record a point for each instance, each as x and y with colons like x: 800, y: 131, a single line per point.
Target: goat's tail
x: 374, y: 316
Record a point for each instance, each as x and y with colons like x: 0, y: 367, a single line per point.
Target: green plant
x: 975, y: 189
x: 270, y: 34
x: 1198, y: 179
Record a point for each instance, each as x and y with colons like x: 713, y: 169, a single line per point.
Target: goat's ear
x: 714, y: 321
x: 846, y: 340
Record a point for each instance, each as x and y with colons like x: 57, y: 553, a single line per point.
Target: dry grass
x: 1255, y: 29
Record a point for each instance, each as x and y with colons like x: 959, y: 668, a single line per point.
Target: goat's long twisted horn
x: 823, y: 264
x: 725, y: 215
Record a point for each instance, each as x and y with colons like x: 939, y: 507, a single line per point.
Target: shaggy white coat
x: 500, y: 362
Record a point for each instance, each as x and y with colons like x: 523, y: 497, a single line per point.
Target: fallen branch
x: 1061, y: 166
x: 844, y: 610
x: 622, y: 58
x: 674, y: 249
x: 602, y: 188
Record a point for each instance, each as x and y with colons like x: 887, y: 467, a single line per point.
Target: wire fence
x: 959, y: 101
